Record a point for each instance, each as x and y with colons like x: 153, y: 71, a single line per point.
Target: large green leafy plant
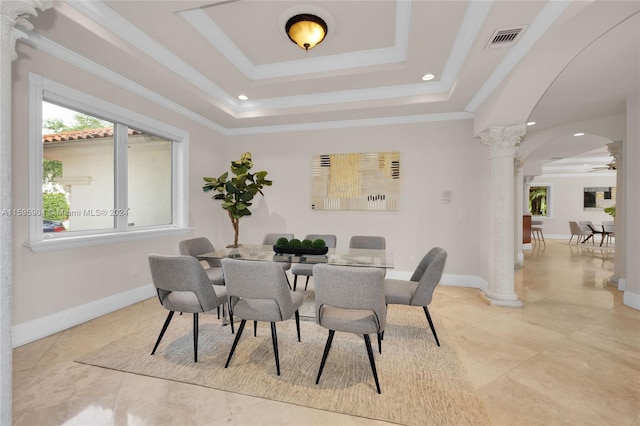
x: 238, y: 192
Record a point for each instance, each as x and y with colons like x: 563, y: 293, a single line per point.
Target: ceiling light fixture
x: 578, y: 134
x: 428, y: 77
x: 306, y: 30
x: 243, y: 97
x: 531, y: 123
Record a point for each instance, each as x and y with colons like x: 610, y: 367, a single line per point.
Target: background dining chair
x: 536, y: 231
x: 306, y: 269
x: 367, y: 242
x: 270, y: 240
x: 418, y: 291
x: 609, y: 227
x: 585, y: 225
x: 350, y: 299
x: 201, y: 245
x: 578, y: 232
x: 259, y: 291
x: 182, y: 285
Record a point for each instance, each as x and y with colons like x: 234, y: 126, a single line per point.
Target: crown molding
x: 204, y: 25
x: 344, y: 124
x: 79, y: 61
x: 475, y: 15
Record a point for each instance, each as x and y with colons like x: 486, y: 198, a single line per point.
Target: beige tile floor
x: 571, y: 356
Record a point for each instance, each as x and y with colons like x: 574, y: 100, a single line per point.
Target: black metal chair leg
x: 235, y: 342
x: 327, y: 347
x: 164, y: 328
x: 380, y: 342
x: 231, y: 319
x: 255, y: 328
x: 295, y: 282
x: 433, y: 329
x: 367, y: 343
x: 218, y: 309
x: 306, y: 283
x: 274, y: 338
x: 298, y: 324
x: 195, y: 337
x: 287, y: 277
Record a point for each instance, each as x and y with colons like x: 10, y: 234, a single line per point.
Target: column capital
x: 502, y: 141
x: 12, y: 14
x: 615, y: 149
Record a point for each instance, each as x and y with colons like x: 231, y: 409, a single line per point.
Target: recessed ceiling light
x: 578, y: 134
x: 243, y: 97
x: 428, y: 77
x: 531, y: 123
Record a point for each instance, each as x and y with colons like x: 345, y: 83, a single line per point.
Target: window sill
x: 64, y: 243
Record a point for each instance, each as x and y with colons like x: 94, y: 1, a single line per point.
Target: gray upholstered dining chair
x: 586, y: 226
x: 270, y: 240
x: 418, y: 291
x: 200, y: 245
x: 368, y: 242
x: 259, y: 291
x: 609, y: 228
x: 578, y: 232
x: 350, y: 299
x: 182, y: 285
x: 306, y: 269
x: 536, y: 231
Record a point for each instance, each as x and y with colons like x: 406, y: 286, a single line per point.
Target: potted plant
x: 238, y: 192
x: 611, y: 211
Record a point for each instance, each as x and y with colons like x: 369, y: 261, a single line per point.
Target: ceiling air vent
x: 505, y: 37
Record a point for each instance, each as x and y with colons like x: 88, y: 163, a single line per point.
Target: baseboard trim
x: 453, y: 280
x: 42, y: 327
x: 631, y: 299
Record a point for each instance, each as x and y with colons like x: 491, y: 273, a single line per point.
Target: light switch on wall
x: 446, y: 197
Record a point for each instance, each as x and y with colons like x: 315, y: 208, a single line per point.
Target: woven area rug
x: 422, y: 384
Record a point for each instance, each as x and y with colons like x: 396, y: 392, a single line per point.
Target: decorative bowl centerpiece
x: 298, y: 247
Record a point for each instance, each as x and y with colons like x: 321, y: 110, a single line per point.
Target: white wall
x: 434, y: 157
x: 48, y: 283
x: 567, y: 202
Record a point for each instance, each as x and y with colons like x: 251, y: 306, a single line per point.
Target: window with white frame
x: 540, y: 200
x: 100, y: 172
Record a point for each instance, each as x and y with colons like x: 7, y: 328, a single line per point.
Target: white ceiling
x: 196, y: 57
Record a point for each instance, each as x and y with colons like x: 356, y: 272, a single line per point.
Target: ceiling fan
x: 608, y: 167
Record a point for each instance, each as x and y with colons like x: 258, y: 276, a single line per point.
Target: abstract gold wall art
x: 360, y: 181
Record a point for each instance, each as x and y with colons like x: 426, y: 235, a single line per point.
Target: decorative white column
x: 616, y: 148
x: 11, y: 15
x: 501, y: 144
x: 518, y: 165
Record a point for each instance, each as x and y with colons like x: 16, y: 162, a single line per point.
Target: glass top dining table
x: 334, y: 256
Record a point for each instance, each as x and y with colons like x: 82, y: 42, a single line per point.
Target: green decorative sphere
x: 295, y: 243
x: 282, y: 242
x: 319, y: 243
x: 307, y: 243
